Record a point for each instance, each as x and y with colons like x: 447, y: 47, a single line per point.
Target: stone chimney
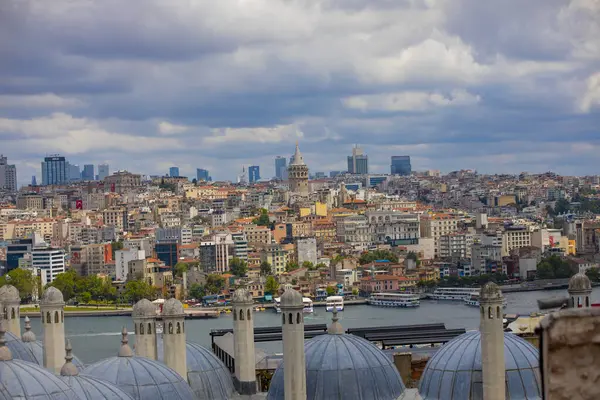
x: 492, y: 342
x: 243, y: 342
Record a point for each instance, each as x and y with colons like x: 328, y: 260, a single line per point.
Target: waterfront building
x: 400, y: 165
x: 358, y: 163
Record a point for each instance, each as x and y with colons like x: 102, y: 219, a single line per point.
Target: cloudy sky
x: 499, y: 86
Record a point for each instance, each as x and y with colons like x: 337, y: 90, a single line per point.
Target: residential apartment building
x: 122, y: 182
x: 355, y: 231
x: 116, y: 216
x: 49, y: 261
x: 122, y: 259
x: 97, y: 260
x: 240, y: 245
x: 514, y: 238
x: 30, y: 202
x: 275, y: 255
x: 482, y: 254
x: 455, y: 245
x: 438, y: 225
x: 387, y: 226
x: 257, y: 235
x: 306, y: 250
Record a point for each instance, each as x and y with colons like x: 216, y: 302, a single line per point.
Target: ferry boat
x: 454, y: 294
x: 473, y: 300
x: 394, y: 300
x: 334, y: 301
x: 308, y: 305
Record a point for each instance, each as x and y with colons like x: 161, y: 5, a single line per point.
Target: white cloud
x: 167, y: 128
x: 277, y: 134
x: 45, y: 100
x: 410, y: 101
x: 591, y: 97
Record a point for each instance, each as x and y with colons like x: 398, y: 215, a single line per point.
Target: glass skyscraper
x: 174, y: 171
x: 88, y: 172
x: 280, y: 167
x: 401, y: 165
x: 358, y: 163
x: 54, y: 170
x: 102, y: 171
x: 254, y: 174
x: 202, y: 175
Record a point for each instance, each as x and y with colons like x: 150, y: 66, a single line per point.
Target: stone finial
x: 490, y: 292
x: 580, y: 283
x: 5, y: 354
x: 144, y: 309
x: 28, y: 336
x: 335, y: 328
x: 52, y: 297
x: 125, y: 350
x: 69, y: 369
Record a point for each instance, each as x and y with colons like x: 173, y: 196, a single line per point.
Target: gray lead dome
x: 344, y: 367
x: 455, y: 371
x: 90, y: 388
x: 32, y: 352
x: 24, y: 380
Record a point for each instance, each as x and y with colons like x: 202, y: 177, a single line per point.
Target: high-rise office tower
x: 8, y: 175
x: 73, y: 172
x: 33, y: 180
x: 254, y: 173
x: 174, y: 171
x: 202, y: 175
x: 401, y: 165
x: 88, y: 172
x: 54, y: 170
x: 280, y: 167
x: 358, y: 163
x: 102, y: 171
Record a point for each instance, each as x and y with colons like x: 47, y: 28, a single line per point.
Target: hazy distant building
x: 8, y: 175
x: 54, y: 170
x: 88, y: 172
x: 333, y: 174
x: 73, y: 172
x: 174, y: 171
x: 358, y: 163
x: 401, y: 165
x: 102, y: 171
x: 253, y: 173
x: 280, y: 167
x: 202, y: 175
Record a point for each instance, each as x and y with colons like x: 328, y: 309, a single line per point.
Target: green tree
x: 180, y: 268
x: 371, y: 256
x: 265, y: 268
x: 291, y: 266
x: 262, y: 219
x: 271, y: 285
x: 308, y: 265
x: 23, y: 280
x: 561, y: 206
x: 66, y: 282
x: 354, y: 291
x: 593, y: 274
x: 238, y: 267
x: 321, y: 266
x: 116, y: 246
x: 138, y: 289
x: 554, y: 267
x: 214, y: 284
x: 330, y: 290
x: 196, y: 291
x: 85, y: 297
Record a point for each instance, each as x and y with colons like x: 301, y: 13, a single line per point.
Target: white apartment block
x: 223, y: 244
x: 438, y: 225
x: 388, y: 225
x: 257, y: 234
x: 116, y: 217
x: 49, y: 261
x: 514, y: 238
x: 122, y: 259
x: 306, y: 250
x: 354, y: 231
x: 455, y: 245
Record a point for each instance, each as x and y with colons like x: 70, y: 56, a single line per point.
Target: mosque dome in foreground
x: 140, y: 377
x: 455, y: 371
x: 342, y: 366
x: 30, y: 351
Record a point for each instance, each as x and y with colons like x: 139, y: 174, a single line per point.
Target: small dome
x: 90, y: 388
x: 9, y: 294
x: 579, y: 283
x: 23, y: 380
x: 242, y: 295
x: 344, y: 367
x: 208, y: 376
x: 455, y: 371
x: 32, y: 352
x: 141, y: 378
x: 144, y: 308
x: 490, y: 292
x: 52, y: 296
x: 291, y: 298
x: 173, y: 307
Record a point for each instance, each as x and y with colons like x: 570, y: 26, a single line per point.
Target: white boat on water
x: 394, y: 300
x: 334, y: 301
x: 308, y: 305
x: 473, y: 300
x: 454, y: 294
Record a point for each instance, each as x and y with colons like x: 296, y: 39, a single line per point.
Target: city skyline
x: 414, y: 78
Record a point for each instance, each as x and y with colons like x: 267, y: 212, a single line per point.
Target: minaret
x: 580, y: 291
x: 53, y: 323
x: 243, y: 342
x: 292, y: 319
x: 174, y: 336
x: 492, y: 342
x: 10, y: 300
x: 144, y: 321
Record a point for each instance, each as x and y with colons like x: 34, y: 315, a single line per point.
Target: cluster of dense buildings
x: 311, y: 231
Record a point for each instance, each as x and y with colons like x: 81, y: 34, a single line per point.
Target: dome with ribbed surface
x: 344, y: 367
x: 27, y: 381
x: 32, y: 352
x: 579, y: 282
x: 141, y: 378
x: 52, y: 296
x: 144, y: 309
x: 455, y: 371
x: 90, y: 388
x: 9, y: 294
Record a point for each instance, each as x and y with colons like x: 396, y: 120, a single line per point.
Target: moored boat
x: 334, y: 301
x: 473, y: 300
x: 453, y: 294
x: 394, y: 300
x: 308, y: 305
